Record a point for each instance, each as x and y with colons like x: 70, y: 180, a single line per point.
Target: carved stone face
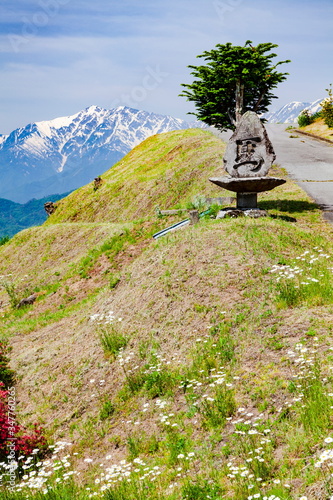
x: 249, y: 151
x: 248, y: 155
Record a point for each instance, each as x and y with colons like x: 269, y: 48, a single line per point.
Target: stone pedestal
x: 248, y: 158
x: 246, y: 200
x: 247, y: 188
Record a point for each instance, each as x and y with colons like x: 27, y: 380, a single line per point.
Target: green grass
x: 25, y: 323
x: 112, y: 340
x: 221, y: 405
x: 165, y: 170
x: 107, y: 409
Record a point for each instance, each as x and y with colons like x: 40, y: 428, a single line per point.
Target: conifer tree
x: 235, y: 79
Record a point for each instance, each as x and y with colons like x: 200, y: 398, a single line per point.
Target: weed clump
x: 7, y: 376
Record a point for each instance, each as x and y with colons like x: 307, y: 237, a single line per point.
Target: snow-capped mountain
x: 290, y: 112
x: 63, y: 154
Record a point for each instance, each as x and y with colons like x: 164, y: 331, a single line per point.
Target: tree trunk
x: 239, y: 100
x: 255, y: 109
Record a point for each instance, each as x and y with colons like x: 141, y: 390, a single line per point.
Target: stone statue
x: 248, y: 158
x: 249, y: 152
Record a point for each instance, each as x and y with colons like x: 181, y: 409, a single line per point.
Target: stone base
x: 246, y: 200
x: 247, y: 184
x: 236, y: 212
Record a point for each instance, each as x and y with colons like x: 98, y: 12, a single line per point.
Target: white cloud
x: 97, y: 52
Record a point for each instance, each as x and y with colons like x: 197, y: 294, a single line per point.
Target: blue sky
x: 60, y: 56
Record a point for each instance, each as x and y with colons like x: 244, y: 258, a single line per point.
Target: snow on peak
x: 56, y: 123
x: 3, y: 138
x: 93, y: 109
x: 290, y: 112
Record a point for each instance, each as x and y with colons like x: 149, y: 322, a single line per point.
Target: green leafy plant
x: 142, y: 443
x: 212, y: 211
x: 135, y: 380
x: 215, y: 410
x: 112, y: 340
x: 114, y: 280
x: 305, y: 118
x: 235, y: 79
x: 158, y: 382
x: 107, y: 409
x: 177, y: 443
x: 4, y: 240
x: 327, y: 107
x: 201, y: 489
x: 7, y: 376
x: 198, y: 202
x: 11, y: 290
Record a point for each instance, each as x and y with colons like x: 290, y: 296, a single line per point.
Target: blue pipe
x: 176, y: 226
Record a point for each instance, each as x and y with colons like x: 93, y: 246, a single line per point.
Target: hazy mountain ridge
x: 15, y: 217
x: 59, y: 155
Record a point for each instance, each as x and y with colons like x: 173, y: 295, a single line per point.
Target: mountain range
x: 290, y: 112
x: 60, y: 155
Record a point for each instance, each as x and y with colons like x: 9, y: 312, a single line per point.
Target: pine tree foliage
x: 235, y: 79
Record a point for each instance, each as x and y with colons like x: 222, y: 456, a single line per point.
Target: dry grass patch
x: 319, y: 128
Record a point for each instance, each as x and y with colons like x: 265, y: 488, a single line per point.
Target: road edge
x: 313, y: 136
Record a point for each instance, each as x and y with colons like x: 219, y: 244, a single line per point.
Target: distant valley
x: 14, y: 217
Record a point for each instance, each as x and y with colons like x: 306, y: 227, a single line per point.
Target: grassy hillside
x: 166, y: 170
x: 319, y: 128
x: 195, y: 366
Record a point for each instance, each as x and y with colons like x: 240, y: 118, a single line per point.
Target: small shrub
x: 327, y: 108
x: 216, y: 410
x: 112, y: 340
x: 201, y: 490
x: 7, y: 375
x: 305, y: 118
x: 11, y: 290
x: 4, y: 240
x: 107, y: 410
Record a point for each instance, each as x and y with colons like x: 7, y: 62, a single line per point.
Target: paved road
x: 308, y: 161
